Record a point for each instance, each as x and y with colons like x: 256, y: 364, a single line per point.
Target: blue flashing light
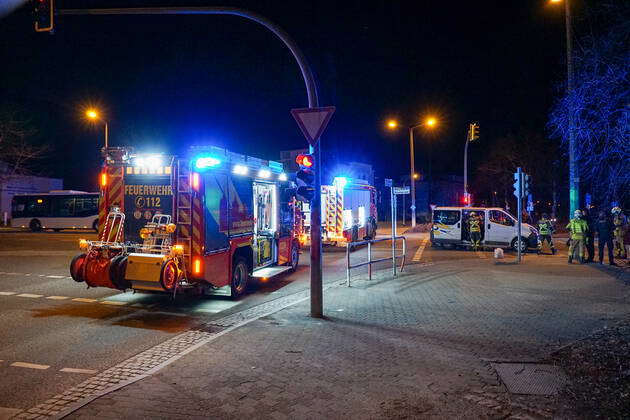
x: 206, y: 162
x: 340, y: 181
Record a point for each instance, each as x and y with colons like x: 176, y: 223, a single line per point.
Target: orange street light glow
x: 392, y: 124
x: 555, y: 1
x: 91, y: 114
x: 431, y: 122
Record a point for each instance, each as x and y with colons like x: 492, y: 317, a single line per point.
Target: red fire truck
x: 209, y: 221
x: 348, y: 212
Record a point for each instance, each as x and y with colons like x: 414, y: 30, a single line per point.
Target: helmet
x: 616, y: 210
x: 577, y: 213
x: 472, y: 213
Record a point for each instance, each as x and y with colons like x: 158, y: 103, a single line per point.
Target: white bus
x: 56, y: 210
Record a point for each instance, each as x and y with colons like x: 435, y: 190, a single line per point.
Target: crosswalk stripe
x: 113, y: 302
x: 7, y: 293
x: 29, y: 365
x: 30, y: 295
x: 57, y: 297
x: 73, y: 370
x: 86, y: 300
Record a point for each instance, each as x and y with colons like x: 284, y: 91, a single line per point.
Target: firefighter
x: 604, y: 228
x: 619, y: 221
x: 474, y: 227
x: 577, y: 228
x: 545, y: 229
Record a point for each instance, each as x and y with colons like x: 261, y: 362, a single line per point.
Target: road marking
x: 86, y: 300
x: 56, y: 277
x: 73, y: 370
x: 481, y: 255
x: 30, y: 295
x: 29, y: 365
x: 418, y: 255
x: 7, y: 293
x: 57, y: 297
x: 112, y: 302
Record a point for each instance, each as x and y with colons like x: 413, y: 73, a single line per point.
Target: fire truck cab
x: 233, y: 218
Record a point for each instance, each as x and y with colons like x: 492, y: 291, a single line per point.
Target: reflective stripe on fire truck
x: 112, y: 194
x: 197, y: 226
x: 339, y: 211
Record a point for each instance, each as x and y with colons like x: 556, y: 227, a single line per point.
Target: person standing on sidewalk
x: 474, y: 227
x: 604, y: 228
x: 545, y: 229
x: 620, y: 222
x: 590, y: 235
x: 577, y: 228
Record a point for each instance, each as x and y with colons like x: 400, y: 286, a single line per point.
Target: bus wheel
x: 76, y: 268
x: 295, y: 256
x: 35, y: 225
x: 240, y: 275
x: 169, y: 275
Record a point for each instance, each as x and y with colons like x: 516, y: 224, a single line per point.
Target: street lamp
x: 574, y: 179
x: 93, y: 115
x: 429, y: 123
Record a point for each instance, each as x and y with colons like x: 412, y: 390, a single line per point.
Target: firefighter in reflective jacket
x: 474, y: 227
x: 545, y: 229
x: 577, y: 228
x: 619, y: 222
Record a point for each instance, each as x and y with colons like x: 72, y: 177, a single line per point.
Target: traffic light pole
x: 311, y: 92
x: 519, y: 207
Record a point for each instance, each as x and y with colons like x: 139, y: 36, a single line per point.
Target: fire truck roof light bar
x: 204, y: 162
x: 282, y: 177
x: 264, y: 173
x: 240, y: 170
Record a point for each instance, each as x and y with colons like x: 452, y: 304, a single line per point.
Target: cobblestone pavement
x: 417, y: 346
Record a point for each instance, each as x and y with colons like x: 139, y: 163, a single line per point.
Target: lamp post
x: 574, y: 177
x: 94, y: 115
x: 429, y: 122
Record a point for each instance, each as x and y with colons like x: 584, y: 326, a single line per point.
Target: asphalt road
x: 55, y: 333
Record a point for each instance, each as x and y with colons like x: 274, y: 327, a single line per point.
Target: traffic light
x: 44, y: 11
x: 466, y: 199
x: 473, y: 131
x: 526, y: 182
x: 518, y: 192
x: 305, y: 178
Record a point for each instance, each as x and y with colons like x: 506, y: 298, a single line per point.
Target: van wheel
x: 35, y: 225
x: 523, y: 245
x: 240, y: 277
x: 76, y: 268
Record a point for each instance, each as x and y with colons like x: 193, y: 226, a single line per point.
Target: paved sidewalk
x: 412, y: 347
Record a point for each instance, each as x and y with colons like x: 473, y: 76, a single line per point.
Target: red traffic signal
x: 305, y: 161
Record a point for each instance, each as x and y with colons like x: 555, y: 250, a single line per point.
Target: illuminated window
x: 361, y: 216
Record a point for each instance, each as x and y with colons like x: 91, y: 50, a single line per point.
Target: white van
x: 498, y: 228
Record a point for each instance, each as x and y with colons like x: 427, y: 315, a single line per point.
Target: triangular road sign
x: 313, y: 121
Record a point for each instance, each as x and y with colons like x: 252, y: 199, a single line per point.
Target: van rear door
x: 447, y: 226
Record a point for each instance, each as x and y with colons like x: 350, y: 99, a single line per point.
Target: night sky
x: 168, y: 82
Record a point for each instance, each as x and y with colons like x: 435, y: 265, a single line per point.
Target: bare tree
x: 600, y: 106
x: 17, y: 151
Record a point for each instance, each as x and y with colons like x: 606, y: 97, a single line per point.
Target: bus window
x: 37, y: 207
x: 85, y: 206
x: 62, y: 206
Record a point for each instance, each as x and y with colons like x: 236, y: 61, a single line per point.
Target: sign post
x: 312, y: 122
x: 518, y: 192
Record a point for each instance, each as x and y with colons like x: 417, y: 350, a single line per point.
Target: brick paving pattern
x: 415, y: 346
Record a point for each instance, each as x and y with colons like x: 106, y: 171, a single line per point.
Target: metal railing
x: 352, y: 245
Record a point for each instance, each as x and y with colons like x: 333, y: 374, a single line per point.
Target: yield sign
x: 313, y: 121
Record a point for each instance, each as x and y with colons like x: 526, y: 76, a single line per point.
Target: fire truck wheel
x: 169, y: 275
x: 117, y: 269
x: 35, y: 225
x: 295, y: 256
x: 76, y: 268
x: 240, y: 276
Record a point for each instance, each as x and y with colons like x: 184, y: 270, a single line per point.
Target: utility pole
x: 411, y: 176
x: 574, y: 172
